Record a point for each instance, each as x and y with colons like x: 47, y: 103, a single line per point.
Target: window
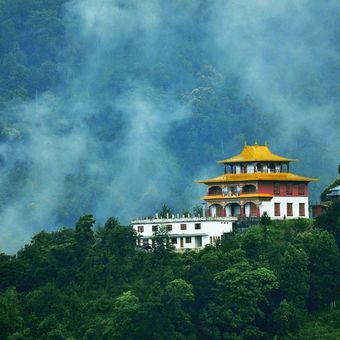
x: 174, y: 240
x: 145, y: 242
x: 183, y: 226
x: 276, y: 188
x: 301, y: 188
x: 140, y: 229
x: 155, y: 228
x: 250, y: 168
x: 188, y: 240
x: 301, y: 209
x: 247, y: 189
x: 289, y: 188
x: 289, y: 209
x: 215, y: 191
x: 197, y: 226
x: 277, y: 211
x: 259, y: 167
x: 169, y: 227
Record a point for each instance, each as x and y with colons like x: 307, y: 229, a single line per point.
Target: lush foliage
x: 87, y: 283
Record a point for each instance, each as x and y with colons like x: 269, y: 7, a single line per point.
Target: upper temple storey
x: 257, y: 181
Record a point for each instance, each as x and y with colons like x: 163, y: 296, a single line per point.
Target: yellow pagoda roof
x: 259, y: 176
x: 255, y: 153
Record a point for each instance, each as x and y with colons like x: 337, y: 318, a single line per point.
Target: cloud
x: 152, y: 90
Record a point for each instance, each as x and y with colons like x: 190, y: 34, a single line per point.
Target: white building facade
x: 184, y: 232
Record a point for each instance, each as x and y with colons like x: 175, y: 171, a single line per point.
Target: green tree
x: 285, y: 320
x: 198, y: 210
x: 293, y: 275
x: 165, y: 211
x: 116, y: 239
x: 324, y: 267
x: 10, y: 316
x: 84, y: 235
x: 241, y: 297
x: 177, y: 297
x: 330, y: 220
x: 122, y: 323
x: 162, y: 242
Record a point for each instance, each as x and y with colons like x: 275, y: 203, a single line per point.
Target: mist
x: 151, y: 94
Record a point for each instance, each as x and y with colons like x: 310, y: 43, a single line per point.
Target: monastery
x: 253, y: 182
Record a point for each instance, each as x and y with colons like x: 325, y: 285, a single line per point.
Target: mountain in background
x: 114, y: 107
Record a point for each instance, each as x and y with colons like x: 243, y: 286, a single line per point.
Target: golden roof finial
x: 255, y: 142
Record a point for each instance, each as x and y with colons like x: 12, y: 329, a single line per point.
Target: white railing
x: 160, y: 220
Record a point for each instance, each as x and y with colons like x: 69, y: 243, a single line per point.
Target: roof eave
x: 226, y: 161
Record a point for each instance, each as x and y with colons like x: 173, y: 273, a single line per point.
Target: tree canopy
x: 94, y: 282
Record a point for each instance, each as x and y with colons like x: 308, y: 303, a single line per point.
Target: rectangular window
x: 174, y: 240
x: 277, y: 211
x: 188, y: 240
x: 250, y: 168
x: 140, y: 228
x: 183, y: 226
x: 155, y: 228
x: 302, y: 209
x: 289, y: 188
x: 289, y: 209
x: 169, y: 227
x: 276, y: 188
x: 301, y: 188
x: 145, y: 242
x: 197, y: 226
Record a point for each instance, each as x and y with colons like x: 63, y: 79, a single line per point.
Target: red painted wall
x: 268, y: 188
x: 265, y: 188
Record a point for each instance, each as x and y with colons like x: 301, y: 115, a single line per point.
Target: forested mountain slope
x: 81, y: 283
x: 114, y: 108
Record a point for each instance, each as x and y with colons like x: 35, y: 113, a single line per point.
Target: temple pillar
x: 243, y: 212
x: 257, y: 210
x: 223, y: 212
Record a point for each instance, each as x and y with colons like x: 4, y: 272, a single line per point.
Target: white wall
x: 269, y: 206
x: 210, y: 227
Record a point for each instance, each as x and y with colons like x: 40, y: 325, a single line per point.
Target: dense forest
x: 90, y: 88
x: 278, y: 279
x: 111, y: 107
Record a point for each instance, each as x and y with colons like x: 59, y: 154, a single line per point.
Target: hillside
x: 91, y: 283
x: 90, y: 89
